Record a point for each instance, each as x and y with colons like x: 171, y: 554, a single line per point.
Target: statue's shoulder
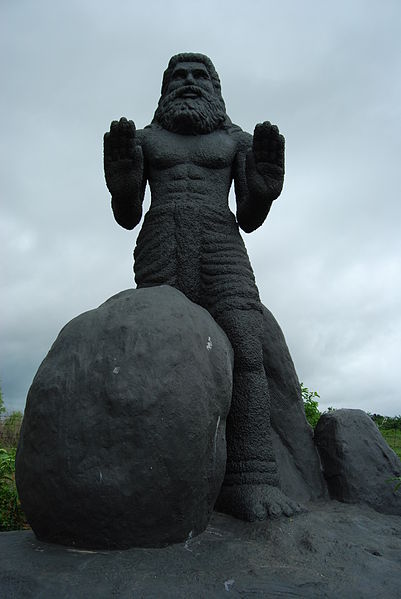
x: 242, y: 138
x: 151, y: 134
x: 142, y: 135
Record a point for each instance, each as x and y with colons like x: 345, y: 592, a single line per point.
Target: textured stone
x: 357, y: 461
x: 298, y: 462
x: 123, y: 440
x: 335, y: 550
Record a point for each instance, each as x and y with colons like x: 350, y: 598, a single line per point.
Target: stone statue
x: 190, y: 240
x: 144, y: 413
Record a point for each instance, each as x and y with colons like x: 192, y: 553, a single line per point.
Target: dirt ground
x: 333, y: 550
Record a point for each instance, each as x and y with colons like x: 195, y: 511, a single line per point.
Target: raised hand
x: 265, y: 162
x: 123, y: 159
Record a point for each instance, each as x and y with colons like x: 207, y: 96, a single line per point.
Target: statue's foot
x: 255, y: 502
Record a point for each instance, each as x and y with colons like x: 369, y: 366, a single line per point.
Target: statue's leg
x: 250, y: 490
x: 250, y: 457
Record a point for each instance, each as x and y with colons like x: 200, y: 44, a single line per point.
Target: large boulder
x: 358, y: 463
x: 123, y: 439
x: 297, y: 459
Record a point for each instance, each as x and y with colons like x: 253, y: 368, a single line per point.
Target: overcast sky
x: 327, y: 259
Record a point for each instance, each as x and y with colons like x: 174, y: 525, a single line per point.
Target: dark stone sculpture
x: 123, y: 441
x: 190, y: 154
x: 358, y: 463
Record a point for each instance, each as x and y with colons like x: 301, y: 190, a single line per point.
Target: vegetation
x: 311, y: 405
x: 10, y: 427
x: 11, y: 514
x: 393, y: 436
x: 390, y: 428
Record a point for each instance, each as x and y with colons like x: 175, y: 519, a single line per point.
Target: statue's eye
x: 201, y: 75
x: 179, y: 74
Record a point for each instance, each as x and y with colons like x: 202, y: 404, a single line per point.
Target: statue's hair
x: 191, y: 57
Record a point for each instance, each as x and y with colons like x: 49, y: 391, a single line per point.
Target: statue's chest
x: 166, y: 150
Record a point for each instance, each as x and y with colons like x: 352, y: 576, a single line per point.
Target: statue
x: 190, y: 240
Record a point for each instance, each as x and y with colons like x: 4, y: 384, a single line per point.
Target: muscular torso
x: 189, y: 238
x: 195, y: 168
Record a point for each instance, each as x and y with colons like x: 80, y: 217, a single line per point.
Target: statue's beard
x: 201, y: 114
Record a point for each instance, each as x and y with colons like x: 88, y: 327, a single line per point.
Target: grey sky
x: 327, y: 260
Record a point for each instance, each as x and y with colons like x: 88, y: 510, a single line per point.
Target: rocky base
x: 334, y: 550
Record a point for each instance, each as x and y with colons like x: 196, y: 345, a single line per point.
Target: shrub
x: 312, y: 412
x: 11, y: 514
x: 10, y: 427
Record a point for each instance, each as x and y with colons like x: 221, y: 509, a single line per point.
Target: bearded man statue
x: 189, y: 155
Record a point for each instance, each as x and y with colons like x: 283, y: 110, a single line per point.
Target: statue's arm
x: 124, y: 172
x: 258, y: 174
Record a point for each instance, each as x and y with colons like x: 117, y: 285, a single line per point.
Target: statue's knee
x: 243, y: 328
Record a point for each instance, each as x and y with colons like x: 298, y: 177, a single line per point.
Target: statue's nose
x: 189, y: 80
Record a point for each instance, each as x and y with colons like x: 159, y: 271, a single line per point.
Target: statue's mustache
x: 189, y: 89
x: 185, y: 90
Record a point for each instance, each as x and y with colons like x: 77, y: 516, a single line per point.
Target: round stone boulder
x: 123, y: 439
x: 358, y: 464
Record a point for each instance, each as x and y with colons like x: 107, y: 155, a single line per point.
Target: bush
x: 11, y: 514
x: 312, y: 412
x: 386, y: 422
x: 10, y: 427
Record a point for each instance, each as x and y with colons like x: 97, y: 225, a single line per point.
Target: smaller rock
x: 357, y: 461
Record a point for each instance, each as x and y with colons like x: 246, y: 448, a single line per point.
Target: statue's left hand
x: 265, y: 162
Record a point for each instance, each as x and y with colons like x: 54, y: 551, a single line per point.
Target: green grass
x: 393, y: 438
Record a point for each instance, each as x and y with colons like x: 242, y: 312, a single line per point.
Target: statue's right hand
x: 123, y: 159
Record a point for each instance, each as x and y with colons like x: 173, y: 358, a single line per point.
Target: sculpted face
x: 190, y: 104
x: 189, y: 74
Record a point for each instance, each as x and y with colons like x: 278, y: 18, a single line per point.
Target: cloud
x: 327, y: 261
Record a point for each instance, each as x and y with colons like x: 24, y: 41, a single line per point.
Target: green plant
x: 10, y: 427
x: 386, y: 422
x: 6, y: 465
x: 390, y: 428
x: 393, y: 438
x: 11, y: 514
x: 311, y: 408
